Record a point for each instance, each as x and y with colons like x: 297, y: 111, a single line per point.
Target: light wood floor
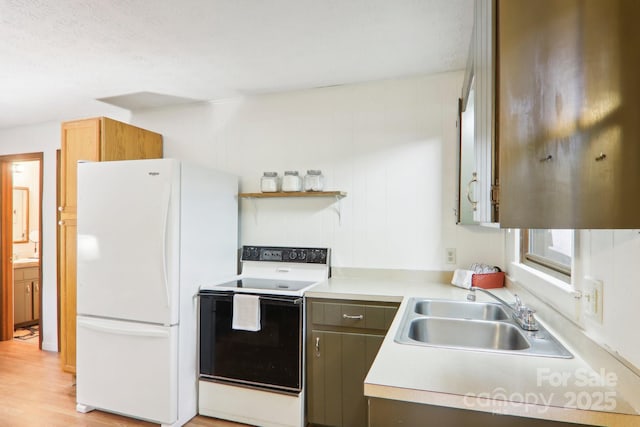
x: 34, y: 392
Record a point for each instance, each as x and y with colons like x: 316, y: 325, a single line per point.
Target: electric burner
x: 253, y: 283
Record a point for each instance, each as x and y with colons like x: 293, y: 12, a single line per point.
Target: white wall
x: 390, y: 145
x: 43, y: 138
x: 610, y: 256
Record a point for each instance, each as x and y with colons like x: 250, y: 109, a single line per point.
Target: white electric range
x: 257, y: 376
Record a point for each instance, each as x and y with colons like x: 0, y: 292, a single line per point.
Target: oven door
x: 270, y: 358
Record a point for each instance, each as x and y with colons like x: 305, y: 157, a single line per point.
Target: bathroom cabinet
x: 26, y: 295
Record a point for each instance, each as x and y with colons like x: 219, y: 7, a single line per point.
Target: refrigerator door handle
x: 165, y: 273
x: 138, y: 330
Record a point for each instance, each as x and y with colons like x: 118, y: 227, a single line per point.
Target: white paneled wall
x: 390, y: 145
x: 612, y: 257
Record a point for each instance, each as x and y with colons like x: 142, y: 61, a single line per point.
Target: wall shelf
x: 336, y: 194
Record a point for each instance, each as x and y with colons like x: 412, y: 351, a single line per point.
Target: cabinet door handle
x: 317, y: 346
x: 474, y: 203
x: 28, y: 289
x: 59, y: 208
x: 60, y: 222
x: 353, y: 317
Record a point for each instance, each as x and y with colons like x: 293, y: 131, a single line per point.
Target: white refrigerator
x: 150, y: 232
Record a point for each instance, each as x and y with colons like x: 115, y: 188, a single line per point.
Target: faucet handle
x: 519, y: 304
x: 529, y: 320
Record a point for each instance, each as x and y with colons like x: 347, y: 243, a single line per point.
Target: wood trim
x: 6, y: 251
x: 538, y: 262
x: 58, y: 242
x: 338, y: 194
x: 40, y: 281
x: 6, y: 243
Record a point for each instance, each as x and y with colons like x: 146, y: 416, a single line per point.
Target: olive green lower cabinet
x: 389, y: 413
x: 343, y: 338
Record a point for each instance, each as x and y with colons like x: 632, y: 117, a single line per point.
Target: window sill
x: 541, y: 275
x: 555, y: 292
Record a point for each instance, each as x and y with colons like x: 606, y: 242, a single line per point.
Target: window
x: 549, y: 250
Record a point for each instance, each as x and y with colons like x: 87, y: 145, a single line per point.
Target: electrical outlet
x: 592, y: 296
x: 450, y: 255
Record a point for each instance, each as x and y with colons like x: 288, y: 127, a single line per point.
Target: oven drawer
x: 352, y: 315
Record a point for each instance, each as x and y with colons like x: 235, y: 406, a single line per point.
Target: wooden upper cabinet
x: 97, y: 139
x: 100, y: 139
x: 569, y: 114
x: 80, y: 141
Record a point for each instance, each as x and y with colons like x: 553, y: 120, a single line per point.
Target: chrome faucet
x: 522, y: 314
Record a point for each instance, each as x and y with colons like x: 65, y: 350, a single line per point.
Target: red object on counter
x: 488, y: 280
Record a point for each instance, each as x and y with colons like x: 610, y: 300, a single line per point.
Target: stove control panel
x: 286, y: 254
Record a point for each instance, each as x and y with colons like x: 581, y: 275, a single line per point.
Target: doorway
x: 21, y: 247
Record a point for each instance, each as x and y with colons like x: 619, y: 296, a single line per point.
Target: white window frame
x: 546, y: 265
x: 559, y: 293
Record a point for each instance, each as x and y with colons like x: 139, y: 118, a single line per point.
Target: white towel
x: 246, y: 312
x: 462, y: 278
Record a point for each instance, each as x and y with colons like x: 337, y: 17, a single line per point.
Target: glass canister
x: 269, y: 182
x: 313, y: 180
x: 291, y: 181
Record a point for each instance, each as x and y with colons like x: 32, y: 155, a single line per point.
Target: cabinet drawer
x: 25, y: 273
x: 30, y: 273
x: 352, y: 315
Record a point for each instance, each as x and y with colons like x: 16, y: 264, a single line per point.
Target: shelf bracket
x: 254, y: 205
x: 338, y: 209
x: 336, y: 195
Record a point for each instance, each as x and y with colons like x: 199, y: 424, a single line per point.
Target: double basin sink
x: 476, y: 326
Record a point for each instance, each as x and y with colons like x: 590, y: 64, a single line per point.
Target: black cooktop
x: 268, y: 284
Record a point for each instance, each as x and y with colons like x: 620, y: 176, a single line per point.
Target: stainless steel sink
x: 461, y: 309
x: 473, y: 326
x: 464, y: 333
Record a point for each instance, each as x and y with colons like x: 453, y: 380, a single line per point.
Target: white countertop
x: 522, y: 385
x: 26, y: 262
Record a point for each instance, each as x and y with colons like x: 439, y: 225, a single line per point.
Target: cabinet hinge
x: 495, y: 194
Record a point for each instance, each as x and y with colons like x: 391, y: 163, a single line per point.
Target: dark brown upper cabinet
x: 568, y: 89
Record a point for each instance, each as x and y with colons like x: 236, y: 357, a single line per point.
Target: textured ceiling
x: 57, y: 58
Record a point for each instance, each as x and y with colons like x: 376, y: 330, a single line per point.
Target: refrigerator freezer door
x: 128, y: 368
x: 128, y: 215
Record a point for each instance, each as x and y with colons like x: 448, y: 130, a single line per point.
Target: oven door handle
x: 276, y: 298
x: 296, y: 301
